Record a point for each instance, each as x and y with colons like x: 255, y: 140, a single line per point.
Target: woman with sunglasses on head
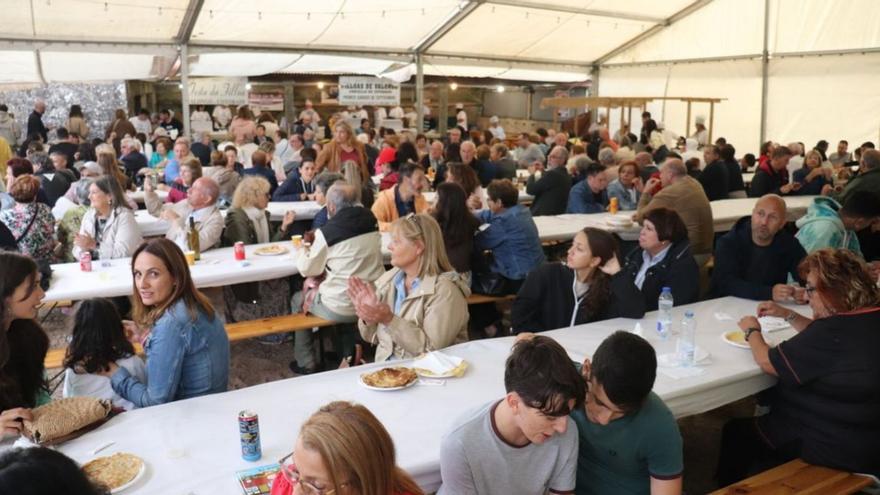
x: 825, y: 408
x: 23, y: 344
x: 418, y: 306
x: 343, y: 450
x: 183, y: 336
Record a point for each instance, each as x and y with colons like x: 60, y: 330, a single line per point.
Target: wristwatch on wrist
x: 791, y: 316
x: 750, y: 331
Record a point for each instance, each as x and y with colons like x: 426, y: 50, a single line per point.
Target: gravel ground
x: 254, y: 363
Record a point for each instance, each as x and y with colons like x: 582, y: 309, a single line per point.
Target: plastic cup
x: 190, y: 257
x: 297, y: 241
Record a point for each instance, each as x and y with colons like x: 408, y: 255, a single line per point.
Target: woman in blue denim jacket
x: 186, y: 345
x: 511, y: 234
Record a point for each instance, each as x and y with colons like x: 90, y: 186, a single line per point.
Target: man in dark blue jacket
x: 589, y: 195
x: 755, y: 258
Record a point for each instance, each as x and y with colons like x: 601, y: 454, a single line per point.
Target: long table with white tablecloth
x: 218, y: 267
x: 305, y: 210
x: 192, y: 446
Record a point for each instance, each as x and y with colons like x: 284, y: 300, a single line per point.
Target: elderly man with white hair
x: 35, y: 121
x: 685, y: 195
x: 200, y: 204
x: 496, y: 130
x: 551, y: 187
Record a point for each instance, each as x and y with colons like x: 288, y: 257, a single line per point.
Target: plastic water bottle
x: 664, y: 313
x: 687, y: 343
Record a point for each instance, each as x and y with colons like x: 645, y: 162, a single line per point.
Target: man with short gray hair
x: 322, y: 185
x: 550, y: 188
x: 867, y: 180
x: 348, y: 245
x: 200, y: 204
x: 683, y: 194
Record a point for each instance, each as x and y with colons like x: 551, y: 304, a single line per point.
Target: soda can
x: 613, y: 206
x: 239, y: 251
x: 85, y: 261
x: 249, y: 431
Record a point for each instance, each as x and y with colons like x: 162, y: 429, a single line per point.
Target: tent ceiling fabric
x: 564, y: 37
x: 527, y: 33
x: 93, y: 20
x: 381, y: 24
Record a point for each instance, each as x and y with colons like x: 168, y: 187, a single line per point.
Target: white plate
x: 279, y: 253
x: 387, y: 389
x: 134, y: 480
x: 741, y: 345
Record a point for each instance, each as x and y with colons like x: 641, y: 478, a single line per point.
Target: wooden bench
x: 484, y: 299
x: 268, y: 326
x: 798, y: 477
x: 236, y: 331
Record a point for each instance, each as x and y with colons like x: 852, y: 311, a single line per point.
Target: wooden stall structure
x: 626, y: 104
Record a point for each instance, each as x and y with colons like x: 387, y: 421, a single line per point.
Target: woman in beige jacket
x: 418, y: 306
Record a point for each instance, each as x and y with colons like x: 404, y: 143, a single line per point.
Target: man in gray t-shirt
x: 523, y: 444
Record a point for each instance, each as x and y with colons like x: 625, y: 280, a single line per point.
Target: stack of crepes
x: 438, y: 364
x: 58, y: 419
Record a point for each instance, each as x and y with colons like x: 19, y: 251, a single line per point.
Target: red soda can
x: 239, y: 251
x: 249, y: 432
x: 85, y: 261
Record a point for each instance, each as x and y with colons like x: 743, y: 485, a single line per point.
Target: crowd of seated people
x: 592, y: 427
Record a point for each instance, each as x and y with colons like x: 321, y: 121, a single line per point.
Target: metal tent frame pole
x: 420, y: 94
x: 765, y: 72
x: 184, y: 90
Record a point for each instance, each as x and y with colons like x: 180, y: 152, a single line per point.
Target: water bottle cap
x: 688, y: 314
x: 667, y: 289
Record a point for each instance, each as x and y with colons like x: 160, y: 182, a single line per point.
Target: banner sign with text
x: 217, y: 90
x: 368, y: 91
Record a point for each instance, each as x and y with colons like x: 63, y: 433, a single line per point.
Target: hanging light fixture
x: 320, y: 84
x: 453, y: 86
x: 499, y: 89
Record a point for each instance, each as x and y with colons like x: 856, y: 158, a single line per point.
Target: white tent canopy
x: 775, y: 70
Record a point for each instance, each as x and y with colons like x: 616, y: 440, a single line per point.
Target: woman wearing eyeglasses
x: 825, y: 407
x: 418, y: 306
x: 343, y: 450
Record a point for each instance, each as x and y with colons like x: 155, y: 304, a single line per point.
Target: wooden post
x: 711, y: 120
x: 621, y: 117
x: 629, y: 116
x: 687, y: 125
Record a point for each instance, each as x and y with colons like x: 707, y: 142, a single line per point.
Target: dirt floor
x: 254, y: 362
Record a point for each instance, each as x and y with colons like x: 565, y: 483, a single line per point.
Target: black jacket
x: 35, y: 125
x: 766, y: 181
x: 734, y: 177
x: 714, y: 180
x: 506, y: 169
x: 133, y: 162
x: 348, y: 223
x: 735, y: 253
x: 7, y: 240
x: 550, y: 192
x: 546, y: 300
x: 678, y: 271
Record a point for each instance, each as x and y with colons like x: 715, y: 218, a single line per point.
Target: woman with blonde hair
x: 418, y: 306
x: 342, y: 148
x: 825, y: 408
x: 343, y: 449
x: 248, y: 221
x: 183, y: 336
x: 352, y: 174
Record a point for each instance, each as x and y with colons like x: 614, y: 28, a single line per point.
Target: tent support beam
x: 681, y: 14
x: 184, y: 90
x: 420, y: 94
x: 570, y: 64
x: 729, y: 58
x: 765, y: 71
x: 575, y: 10
x: 189, y: 20
x: 447, y: 26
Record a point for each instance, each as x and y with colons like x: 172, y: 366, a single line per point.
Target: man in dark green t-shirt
x: 629, y: 440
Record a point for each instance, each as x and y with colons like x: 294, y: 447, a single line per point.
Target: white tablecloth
x: 431, y: 196
x: 305, y: 210
x: 216, y: 268
x: 725, y: 212
x: 192, y: 446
